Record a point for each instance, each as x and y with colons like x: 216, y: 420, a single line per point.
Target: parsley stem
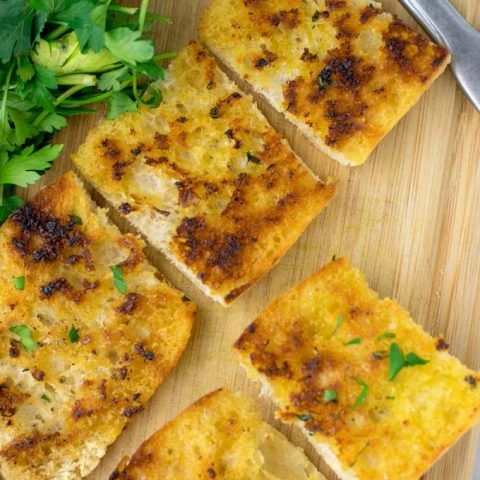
x: 134, y: 85
x: 58, y: 32
x: 163, y: 56
x: 97, y: 97
x: 71, y: 91
x: 3, y: 108
x: 118, y: 8
x: 77, y: 79
x: 142, y: 15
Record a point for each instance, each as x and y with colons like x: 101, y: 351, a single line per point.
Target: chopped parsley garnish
x: 385, y: 336
x: 334, y: 257
x: 75, y: 219
x: 18, y: 282
x: 73, y: 335
x: 339, y: 323
x: 354, y: 341
x: 398, y: 361
x: 210, y: 86
x: 215, y: 112
x: 329, y: 396
x: 253, y: 159
x: 325, y: 79
x: 304, y: 417
x: 316, y: 16
x: 390, y: 398
x: 363, y: 394
x: 46, y: 398
x: 25, y: 335
x: 118, y: 280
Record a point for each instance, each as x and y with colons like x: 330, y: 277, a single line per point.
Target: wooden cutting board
x: 409, y: 218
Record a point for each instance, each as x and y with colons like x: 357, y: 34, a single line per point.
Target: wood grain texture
x: 409, y: 218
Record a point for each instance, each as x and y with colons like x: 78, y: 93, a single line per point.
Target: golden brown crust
x: 229, y: 197
x: 226, y: 440
x: 343, y: 71
x: 331, y: 333
x: 64, y: 402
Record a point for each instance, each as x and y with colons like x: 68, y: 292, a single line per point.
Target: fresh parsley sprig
x: 57, y: 58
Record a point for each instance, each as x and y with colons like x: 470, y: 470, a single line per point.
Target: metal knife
x: 448, y: 28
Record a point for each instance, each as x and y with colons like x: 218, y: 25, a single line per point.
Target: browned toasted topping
x: 442, y: 344
x: 137, y: 151
x: 471, y: 381
x: 25, y: 443
x: 307, y: 56
x: 266, y: 362
x: 211, y: 472
x: 103, y: 389
x: 162, y: 141
x: 140, y: 348
x: 131, y: 411
x: 132, y: 300
x: 54, y: 235
x: 125, y: 208
x: 290, y: 93
x: 14, y: 351
x: 165, y: 213
x: 288, y: 18
x: 118, y: 170
x: 38, y: 374
x: 60, y: 285
x: 156, y: 161
x: 335, y: 4
x: 368, y: 12
x: 10, y: 400
x: 79, y: 411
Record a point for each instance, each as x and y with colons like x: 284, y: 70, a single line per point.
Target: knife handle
x: 444, y: 24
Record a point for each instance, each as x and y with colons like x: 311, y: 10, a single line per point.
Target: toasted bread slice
x: 205, y: 178
x: 78, y: 360
x: 221, y: 436
x: 344, y: 72
x: 331, y: 353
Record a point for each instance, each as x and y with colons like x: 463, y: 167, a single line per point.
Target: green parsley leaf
x: 39, y: 87
x: 18, y: 282
x: 21, y: 169
x: 413, y: 359
x: 25, y: 69
x: 111, y: 80
x: 127, y: 45
x: 25, y: 337
x: 118, y: 279
x: 339, y: 323
x: 304, y: 417
x: 253, y: 159
x: 46, y: 398
x: 390, y: 398
x: 398, y: 361
x: 53, y: 122
x: 385, y: 336
x: 16, y: 22
x: 75, y: 219
x: 153, y: 97
x: 10, y: 205
x: 88, y: 19
x: 354, y: 341
x: 152, y: 70
x: 329, y: 396
x: 73, y: 335
x: 120, y: 103
x: 363, y: 394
